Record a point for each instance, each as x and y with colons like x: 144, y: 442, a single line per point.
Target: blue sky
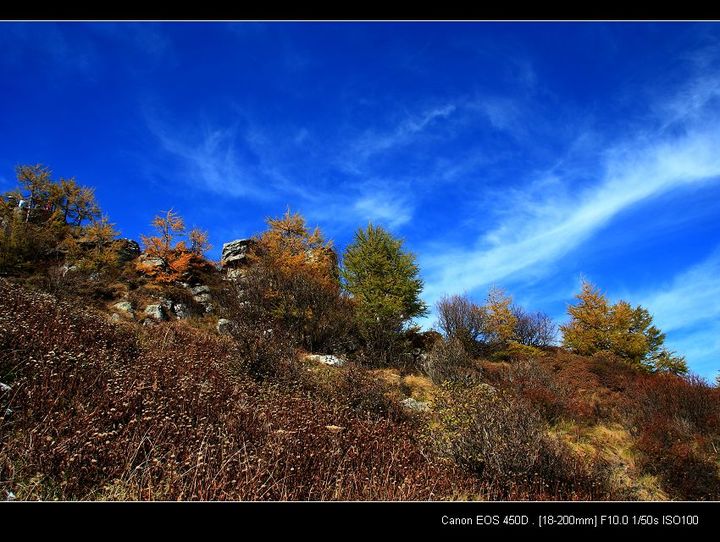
x: 526, y: 155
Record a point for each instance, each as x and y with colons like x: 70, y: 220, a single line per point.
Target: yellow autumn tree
x: 590, y: 326
x: 596, y: 325
x: 43, y: 216
x: 293, y: 273
x: 168, y: 258
x: 498, y: 318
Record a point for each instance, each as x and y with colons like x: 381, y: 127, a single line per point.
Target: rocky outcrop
x: 234, y: 253
x: 326, y: 359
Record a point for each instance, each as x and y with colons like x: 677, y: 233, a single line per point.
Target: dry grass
x: 104, y: 411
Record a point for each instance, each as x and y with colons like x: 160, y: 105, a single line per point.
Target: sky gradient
x: 525, y: 155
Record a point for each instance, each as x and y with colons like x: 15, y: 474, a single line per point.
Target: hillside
x: 284, y: 372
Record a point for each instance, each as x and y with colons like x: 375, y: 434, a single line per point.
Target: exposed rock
x: 234, y: 253
x: 166, y: 304
x: 124, y: 306
x: 415, y: 405
x: 203, y: 298
x: 201, y: 289
x: 127, y: 249
x: 4, y: 388
x: 225, y: 326
x: 181, y: 310
x: 151, y: 261
x: 237, y: 273
x: 10, y: 496
x: 156, y: 312
x: 115, y: 317
x: 327, y: 359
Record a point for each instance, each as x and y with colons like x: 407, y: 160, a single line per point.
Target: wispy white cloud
x: 689, y: 299
x: 370, y: 201
x: 385, y: 208
x: 539, y: 226
x: 211, y: 159
x: 685, y: 308
x: 373, y: 142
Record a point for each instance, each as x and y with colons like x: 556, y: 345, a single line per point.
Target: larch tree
x: 498, y: 319
x: 178, y: 261
x: 293, y: 276
x: 383, y: 279
x: 596, y: 325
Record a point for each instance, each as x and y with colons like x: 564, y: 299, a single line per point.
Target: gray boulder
x: 156, y: 312
x: 415, y: 405
x: 224, y: 326
x: 151, y: 261
x: 199, y: 290
x: 326, y: 359
x: 234, y: 253
x: 203, y: 298
x: 123, y: 306
x: 181, y: 310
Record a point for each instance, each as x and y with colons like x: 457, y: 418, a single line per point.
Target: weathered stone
x: 4, y: 388
x: 151, y: 261
x: 237, y: 273
x: 234, y: 253
x: 115, y: 317
x: 201, y: 289
x: 415, y: 405
x: 225, y: 326
x: 326, y: 359
x: 123, y: 306
x: 181, y: 310
x: 203, y: 298
x: 156, y: 312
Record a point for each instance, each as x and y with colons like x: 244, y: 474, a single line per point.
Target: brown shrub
x: 105, y: 411
x: 446, y: 360
x: 502, y: 441
x: 678, y: 425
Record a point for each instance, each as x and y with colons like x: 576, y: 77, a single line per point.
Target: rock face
x: 326, y: 359
x: 415, y: 405
x: 224, y: 326
x: 234, y: 253
x: 127, y: 249
x: 155, y: 312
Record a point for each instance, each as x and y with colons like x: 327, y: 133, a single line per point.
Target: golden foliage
x: 178, y: 260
